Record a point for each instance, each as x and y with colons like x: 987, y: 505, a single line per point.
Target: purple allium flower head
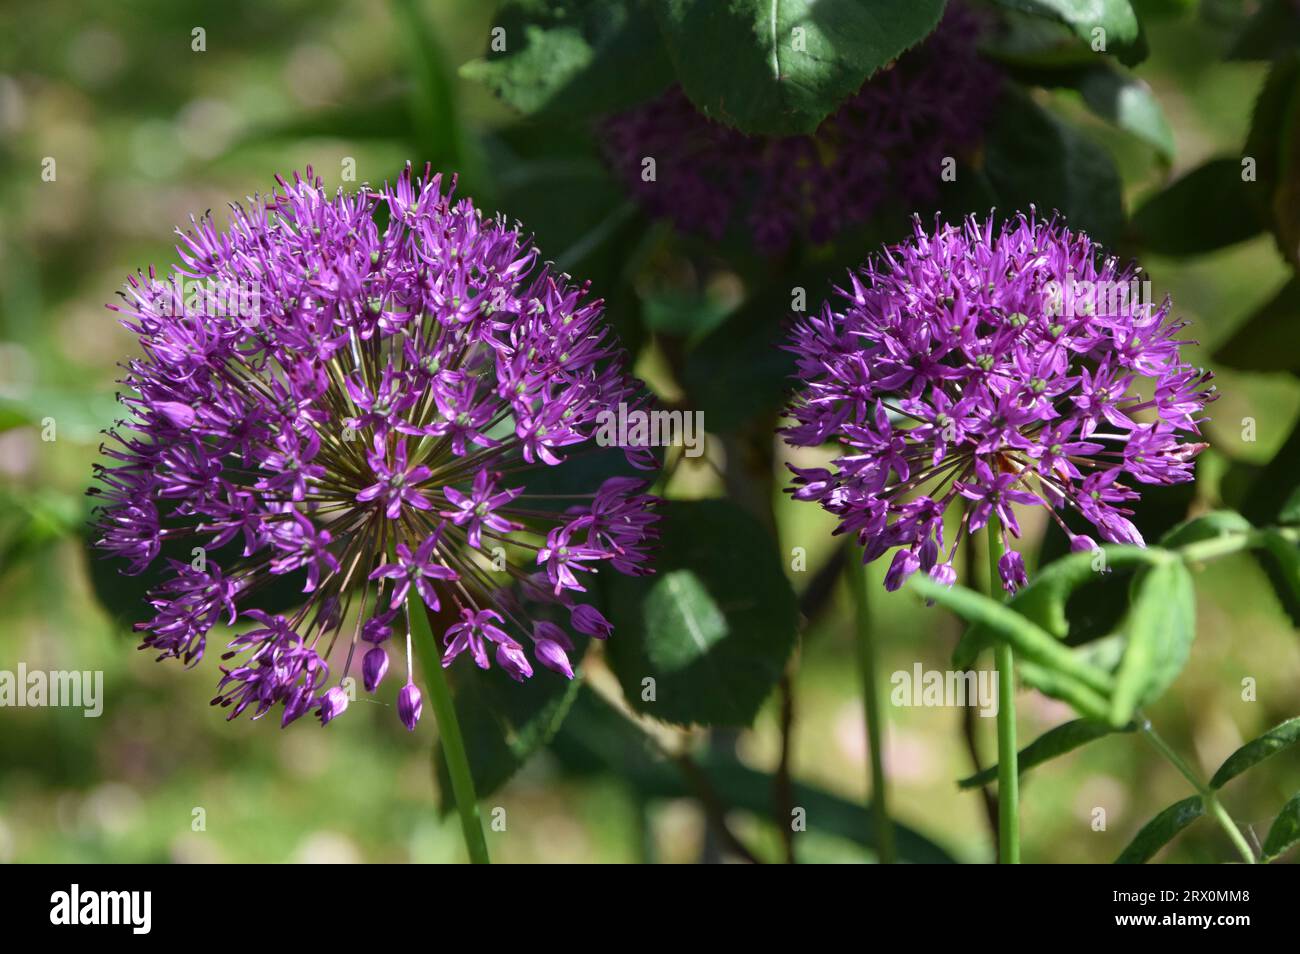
x: 976, y: 369
x: 364, y: 405
x: 887, y: 141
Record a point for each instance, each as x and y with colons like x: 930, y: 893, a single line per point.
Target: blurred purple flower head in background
x: 984, y: 368
x: 372, y: 424
x: 887, y: 142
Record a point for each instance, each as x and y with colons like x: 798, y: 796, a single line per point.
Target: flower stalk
x: 453, y: 744
x: 871, y: 712
x: 1008, y: 769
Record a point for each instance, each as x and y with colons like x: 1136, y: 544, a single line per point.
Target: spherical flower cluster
x: 982, y: 368
x: 363, y: 405
x: 888, y: 141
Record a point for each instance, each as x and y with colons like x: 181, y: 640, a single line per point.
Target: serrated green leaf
x: 1284, y: 834
x: 742, y: 63
x: 574, y: 58
x: 1161, y: 830
x: 1207, y: 209
x: 1160, y: 628
x: 713, y: 627
x: 1257, y: 750
x: 1031, y: 642
x: 1052, y: 743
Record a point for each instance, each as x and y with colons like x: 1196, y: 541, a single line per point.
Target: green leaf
x: 713, y: 627
x: 1280, y: 560
x: 1254, y: 345
x: 503, y: 722
x: 1207, y: 526
x: 683, y: 314
x: 1209, y: 208
x: 1052, y: 682
x: 1257, y: 750
x: 1269, y: 489
x: 740, y: 371
x: 1033, y: 158
x: 1115, y: 18
x: 1045, y: 598
x: 1290, y: 512
x: 743, y: 63
x: 1161, y: 830
x: 1285, y: 831
x: 1111, y: 93
x: 1038, y: 44
x: 1160, y: 627
x: 1274, y: 143
x: 574, y: 58
x: 1121, y: 98
x: 1052, y: 743
x: 1030, y: 641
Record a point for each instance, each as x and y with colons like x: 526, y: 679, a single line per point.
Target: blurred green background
x: 145, y: 132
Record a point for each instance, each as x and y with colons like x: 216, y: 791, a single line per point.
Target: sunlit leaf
x: 1161, y: 830
x: 1257, y: 750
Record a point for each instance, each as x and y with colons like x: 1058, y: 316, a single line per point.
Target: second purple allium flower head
x: 980, y: 369
x: 369, y: 416
x: 888, y: 140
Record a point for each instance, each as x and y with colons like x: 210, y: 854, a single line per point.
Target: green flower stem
x: 1208, y: 795
x: 871, y: 712
x: 1008, y: 770
x: 453, y: 745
